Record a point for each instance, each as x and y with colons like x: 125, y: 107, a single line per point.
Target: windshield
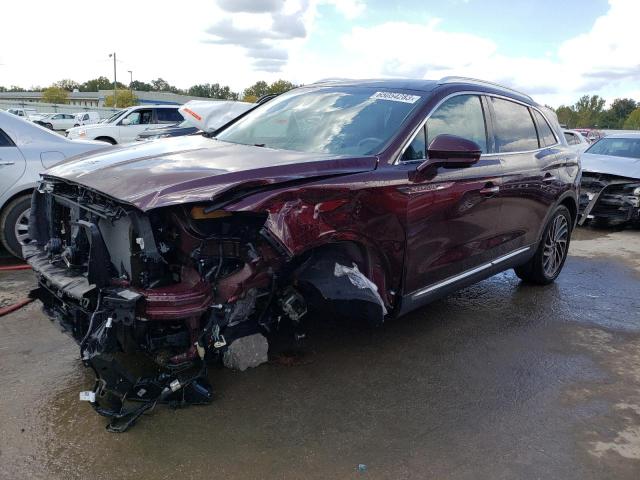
x: 334, y: 120
x: 617, y: 147
x: 114, y: 117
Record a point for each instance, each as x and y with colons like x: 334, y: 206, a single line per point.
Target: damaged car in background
x: 610, y: 186
x: 361, y: 199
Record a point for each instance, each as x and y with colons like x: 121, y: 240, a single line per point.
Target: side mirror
x: 126, y: 121
x: 450, y: 151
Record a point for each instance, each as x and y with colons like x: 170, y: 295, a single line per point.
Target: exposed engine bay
x: 609, y: 199
x: 176, y: 285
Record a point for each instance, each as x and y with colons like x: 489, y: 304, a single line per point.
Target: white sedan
x: 576, y: 140
x: 59, y: 121
x: 26, y: 149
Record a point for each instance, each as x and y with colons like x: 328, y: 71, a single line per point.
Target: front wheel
x: 14, y: 225
x: 547, y: 263
x: 49, y: 126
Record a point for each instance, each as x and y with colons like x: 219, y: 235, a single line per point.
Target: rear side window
x: 168, y: 115
x: 514, y: 128
x: 547, y: 138
x: 461, y: 115
x: 5, y: 141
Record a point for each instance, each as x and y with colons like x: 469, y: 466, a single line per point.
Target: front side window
x: 139, y: 117
x: 514, y: 128
x: 334, y: 120
x: 461, y: 115
x: 545, y: 134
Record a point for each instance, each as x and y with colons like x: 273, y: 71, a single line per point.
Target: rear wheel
x: 547, y: 263
x: 14, y: 224
x: 49, y: 126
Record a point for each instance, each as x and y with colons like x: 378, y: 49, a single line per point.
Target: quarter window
x: 547, y: 138
x: 417, y: 149
x: 5, y: 141
x: 571, y: 138
x: 461, y: 115
x: 514, y: 128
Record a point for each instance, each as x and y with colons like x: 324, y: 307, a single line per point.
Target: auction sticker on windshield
x: 395, y: 97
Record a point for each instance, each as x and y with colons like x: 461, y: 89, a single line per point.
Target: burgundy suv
x: 359, y: 198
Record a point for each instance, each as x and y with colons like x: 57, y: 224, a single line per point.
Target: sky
x: 554, y: 50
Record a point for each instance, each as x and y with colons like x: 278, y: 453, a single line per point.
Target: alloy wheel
x: 555, y: 245
x: 21, y: 228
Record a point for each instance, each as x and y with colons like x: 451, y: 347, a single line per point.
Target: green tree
x: 100, y: 83
x: 161, y: 85
x: 15, y: 88
x: 67, y: 84
x: 215, y: 90
x: 619, y: 111
x: 55, y: 94
x: 567, y: 116
x: 141, y: 86
x: 125, y: 99
x: 633, y: 120
x: 588, y: 110
x: 255, y: 91
x: 280, y: 86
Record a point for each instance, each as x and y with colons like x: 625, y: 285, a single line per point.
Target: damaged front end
x: 609, y: 199
x: 175, y: 287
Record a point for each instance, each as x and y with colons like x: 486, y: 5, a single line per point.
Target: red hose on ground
x: 16, y: 306
x: 8, y: 268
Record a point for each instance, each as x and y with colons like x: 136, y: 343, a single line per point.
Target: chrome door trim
x: 417, y: 294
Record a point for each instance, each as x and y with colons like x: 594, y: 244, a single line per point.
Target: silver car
x: 26, y: 149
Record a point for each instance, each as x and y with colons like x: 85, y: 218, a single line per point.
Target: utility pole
x: 115, y: 81
x: 131, y: 82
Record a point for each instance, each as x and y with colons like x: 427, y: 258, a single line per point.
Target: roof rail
x: 454, y: 79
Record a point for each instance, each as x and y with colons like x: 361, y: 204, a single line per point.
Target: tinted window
x: 5, y: 141
x: 547, y: 138
x: 617, y: 147
x: 334, y: 120
x: 417, y: 149
x: 461, y: 115
x: 168, y: 115
x: 514, y: 128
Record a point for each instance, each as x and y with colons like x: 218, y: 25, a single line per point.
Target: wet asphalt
x: 498, y: 381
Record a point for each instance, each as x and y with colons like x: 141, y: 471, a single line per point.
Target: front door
x: 138, y: 121
x: 451, y: 213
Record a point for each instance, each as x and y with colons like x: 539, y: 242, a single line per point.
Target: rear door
x: 167, y: 116
x: 12, y: 163
x: 451, y: 213
x: 528, y: 151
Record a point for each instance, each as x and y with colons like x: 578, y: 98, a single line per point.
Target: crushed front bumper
x: 609, y: 198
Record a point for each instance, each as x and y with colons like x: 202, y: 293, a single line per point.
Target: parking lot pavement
x: 501, y: 380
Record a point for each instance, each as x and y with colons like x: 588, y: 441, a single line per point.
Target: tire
x: 547, y: 263
x: 49, y: 126
x: 76, y: 125
x: 14, y: 224
x: 107, y: 140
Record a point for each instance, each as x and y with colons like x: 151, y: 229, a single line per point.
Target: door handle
x: 548, y: 178
x: 490, y: 189
x: 6, y: 163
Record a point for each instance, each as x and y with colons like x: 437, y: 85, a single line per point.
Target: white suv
x: 124, y: 126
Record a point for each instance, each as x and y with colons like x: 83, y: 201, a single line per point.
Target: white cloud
x: 349, y: 8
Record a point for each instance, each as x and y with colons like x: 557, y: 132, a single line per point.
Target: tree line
x: 590, y: 112
x: 58, y: 92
